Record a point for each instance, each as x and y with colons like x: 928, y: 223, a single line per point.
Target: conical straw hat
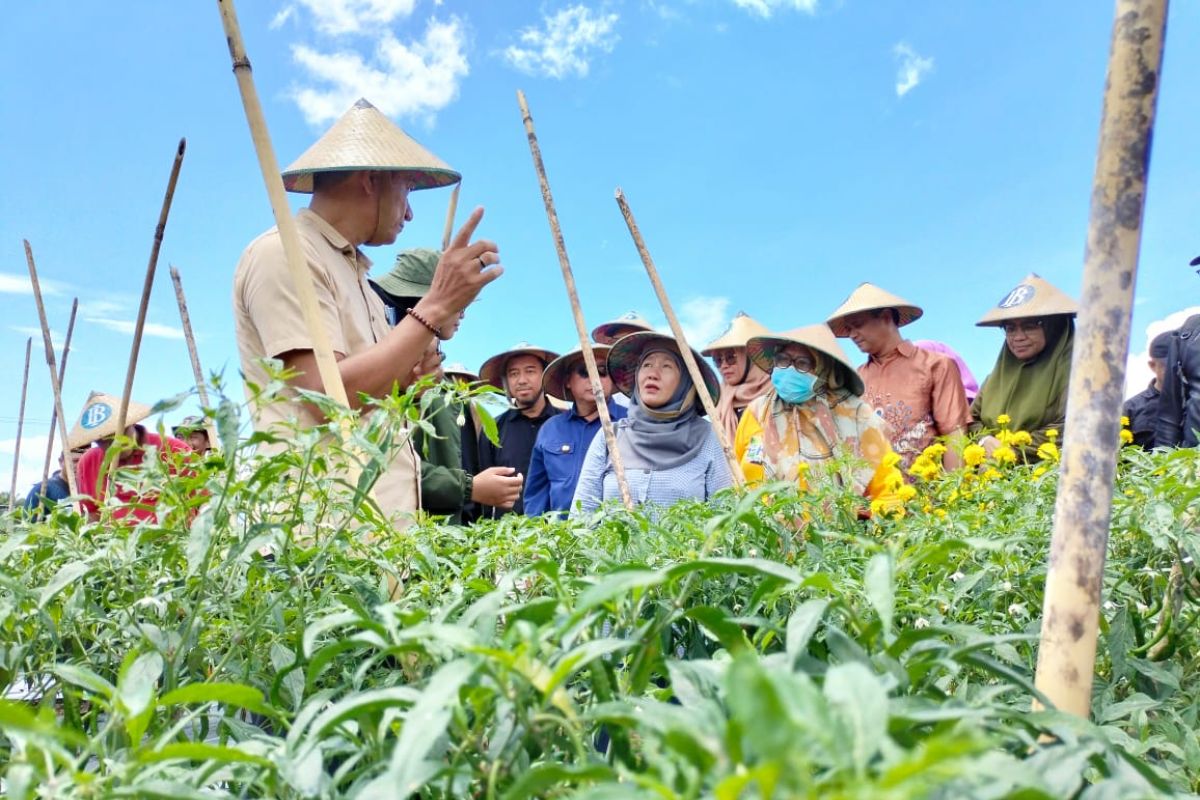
x: 869, y: 297
x: 761, y: 349
x: 626, y: 354
x: 492, y: 371
x: 99, y: 418
x: 459, y: 370
x: 554, y: 379
x: 1034, y: 296
x: 741, y: 330
x: 627, y: 323
x: 365, y: 139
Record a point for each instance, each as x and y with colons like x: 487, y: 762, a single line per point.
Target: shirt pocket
x: 561, y: 462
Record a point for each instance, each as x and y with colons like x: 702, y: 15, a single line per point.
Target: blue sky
x: 776, y: 153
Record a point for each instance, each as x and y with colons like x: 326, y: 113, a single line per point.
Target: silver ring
x: 482, y: 263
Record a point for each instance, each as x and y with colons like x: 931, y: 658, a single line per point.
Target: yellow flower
x: 1021, y: 439
x: 973, y: 455
x: 891, y: 460
x: 906, y: 493
x: 1048, y: 452
x: 924, y: 468
x: 1126, y: 436
x: 941, y: 512
x: 934, y: 452
x: 991, y: 474
x: 1124, y: 422
x: 1003, y: 420
x: 1052, y: 434
x: 1004, y: 455
x: 802, y: 467
x: 1040, y: 471
x: 1005, y: 436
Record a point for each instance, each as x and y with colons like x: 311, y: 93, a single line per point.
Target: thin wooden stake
x: 1070, y: 614
x: 12, y: 492
x: 62, y: 373
x: 185, y: 320
x: 54, y: 382
x: 585, y: 343
x: 450, y: 211
x: 684, y: 350
x: 148, y: 285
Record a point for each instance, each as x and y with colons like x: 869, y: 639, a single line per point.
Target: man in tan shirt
x: 918, y: 393
x: 360, y: 174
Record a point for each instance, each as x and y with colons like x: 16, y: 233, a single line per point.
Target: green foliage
x: 251, y: 642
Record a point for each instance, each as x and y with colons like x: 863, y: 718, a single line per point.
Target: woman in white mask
x: 812, y: 427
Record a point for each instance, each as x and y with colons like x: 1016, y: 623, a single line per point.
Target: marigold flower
x: 891, y: 460
x: 924, y: 468
x: 1126, y: 436
x: 1003, y: 420
x: 1004, y: 455
x: 1124, y: 421
x: 991, y: 474
x: 1021, y: 439
x: 1048, y: 452
x: 906, y: 492
x: 1039, y: 472
x: 934, y: 452
x: 1052, y: 434
x: 973, y: 455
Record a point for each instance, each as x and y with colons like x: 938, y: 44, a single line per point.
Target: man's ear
x: 368, y: 182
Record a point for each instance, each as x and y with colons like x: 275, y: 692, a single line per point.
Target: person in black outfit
x: 1142, y: 408
x: 519, y: 372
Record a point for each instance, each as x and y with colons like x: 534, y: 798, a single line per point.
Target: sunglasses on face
x: 582, y: 372
x: 730, y: 358
x: 1027, y: 327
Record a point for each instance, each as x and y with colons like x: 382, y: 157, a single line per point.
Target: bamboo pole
x: 12, y: 492
x: 1067, y: 652
x: 49, y: 345
x: 327, y: 368
x: 148, y: 286
x: 62, y: 373
x: 185, y: 320
x: 585, y: 343
x: 685, y: 351
x: 450, y: 211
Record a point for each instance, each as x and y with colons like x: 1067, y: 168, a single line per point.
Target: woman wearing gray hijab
x: 669, y: 451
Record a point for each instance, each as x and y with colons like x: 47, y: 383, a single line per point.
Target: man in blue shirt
x: 564, y: 439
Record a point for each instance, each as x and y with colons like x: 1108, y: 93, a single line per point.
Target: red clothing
x: 87, y: 474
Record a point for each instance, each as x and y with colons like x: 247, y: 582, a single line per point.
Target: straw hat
x: 626, y: 354
x: 365, y: 139
x: 492, y: 371
x: 741, y: 330
x: 761, y: 349
x: 99, y: 419
x: 413, y: 273
x: 1032, y: 297
x: 188, y: 425
x: 627, y: 323
x: 869, y: 297
x: 554, y: 379
x: 459, y: 371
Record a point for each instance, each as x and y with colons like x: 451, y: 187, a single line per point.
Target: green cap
x: 413, y: 274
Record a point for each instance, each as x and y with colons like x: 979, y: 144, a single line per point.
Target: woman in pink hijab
x: 741, y: 380
x: 970, y: 386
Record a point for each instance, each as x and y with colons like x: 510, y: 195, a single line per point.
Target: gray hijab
x: 665, y: 437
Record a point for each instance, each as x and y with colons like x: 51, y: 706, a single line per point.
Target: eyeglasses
x: 802, y: 363
x: 729, y: 357
x: 582, y: 372
x: 1025, y: 326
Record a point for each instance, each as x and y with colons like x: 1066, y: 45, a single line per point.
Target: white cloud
x: 339, y: 17
x: 702, y: 319
x: 765, y: 8
x: 56, y: 338
x: 281, y: 18
x: 1137, y: 368
x: 19, y: 284
x: 913, y: 68
x: 565, y: 43
x: 414, y: 79
x: 127, y: 326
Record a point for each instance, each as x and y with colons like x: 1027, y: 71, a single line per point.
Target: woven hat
x: 365, y: 139
x: 1034, y: 296
x: 554, y: 379
x: 413, y: 273
x: 761, y: 349
x: 492, y: 371
x: 740, y: 331
x: 188, y: 425
x: 99, y: 419
x: 626, y: 354
x: 869, y: 297
x: 459, y: 371
x: 627, y: 323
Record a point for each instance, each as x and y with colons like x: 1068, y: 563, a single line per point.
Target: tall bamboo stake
x: 54, y: 382
x: 585, y: 342
x: 450, y: 211
x: 327, y: 368
x: 62, y: 373
x: 185, y: 320
x: 148, y: 285
x: 1067, y: 653
x: 12, y: 492
x: 685, y: 352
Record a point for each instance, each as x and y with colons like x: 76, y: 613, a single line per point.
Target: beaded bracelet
x: 436, y: 331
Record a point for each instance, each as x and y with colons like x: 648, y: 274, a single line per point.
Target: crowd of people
x: 792, y: 404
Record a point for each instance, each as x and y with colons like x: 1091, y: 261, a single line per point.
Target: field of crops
x: 262, y: 642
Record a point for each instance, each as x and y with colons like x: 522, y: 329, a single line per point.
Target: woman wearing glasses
x: 813, y: 427
x: 1029, y: 381
x: 741, y: 379
x: 669, y: 451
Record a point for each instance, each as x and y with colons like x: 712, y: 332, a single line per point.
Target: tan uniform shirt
x: 919, y: 394
x: 269, y: 323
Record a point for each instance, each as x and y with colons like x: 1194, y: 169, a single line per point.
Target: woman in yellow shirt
x: 812, y: 426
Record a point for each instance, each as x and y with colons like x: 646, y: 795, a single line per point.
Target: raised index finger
x: 463, y: 237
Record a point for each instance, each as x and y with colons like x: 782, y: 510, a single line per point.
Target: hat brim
x: 492, y: 371
x: 761, y: 351
x: 626, y: 354
x: 554, y: 379
x: 907, y: 315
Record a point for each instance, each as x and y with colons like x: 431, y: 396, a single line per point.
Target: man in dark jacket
x: 1142, y: 408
